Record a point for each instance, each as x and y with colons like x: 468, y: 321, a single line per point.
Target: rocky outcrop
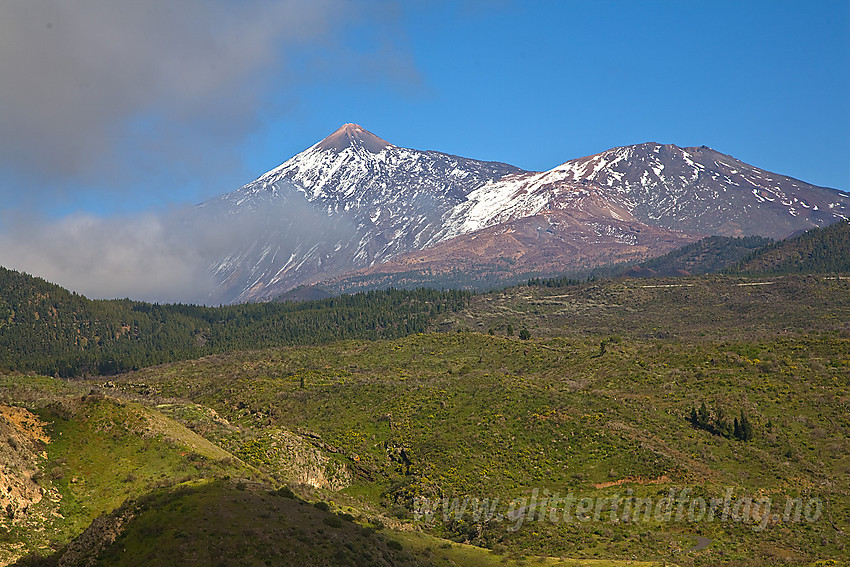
x: 300, y: 462
x: 22, y: 441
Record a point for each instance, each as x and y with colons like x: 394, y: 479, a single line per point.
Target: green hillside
x: 89, y: 453
x: 192, y: 524
x: 820, y: 250
x: 232, y: 523
x: 626, y: 406
x: 119, y: 483
x: 50, y: 330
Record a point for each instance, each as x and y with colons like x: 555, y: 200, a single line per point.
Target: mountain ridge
x: 825, y: 250
x: 701, y: 193
x: 706, y: 256
x: 354, y: 201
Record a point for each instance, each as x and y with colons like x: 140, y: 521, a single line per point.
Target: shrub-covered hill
x: 238, y: 523
x: 90, y: 479
x: 820, y: 250
x: 707, y: 256
x: 50, y: 330
x: 720, y: 307
x: 469, y: 414
x: 229, y: 523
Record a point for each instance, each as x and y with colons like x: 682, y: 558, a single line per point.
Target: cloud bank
x: 172, y: 256
x: 79, y: 75
x: 140, y: 257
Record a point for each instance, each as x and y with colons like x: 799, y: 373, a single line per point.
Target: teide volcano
x: 347, y: 202
x: 356, y: 204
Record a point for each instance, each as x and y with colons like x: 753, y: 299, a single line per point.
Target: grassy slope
x: 101, y: 452
x: 713, y: 307
x: 493, y: 416
x: 442, y: 553
x: 226, y: 524
x: 242, y: 524
x: 107, y: 457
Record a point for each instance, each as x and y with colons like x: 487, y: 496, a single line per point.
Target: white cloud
x: 92, y: 88
x: 166, y: 257
x: 75, y: 71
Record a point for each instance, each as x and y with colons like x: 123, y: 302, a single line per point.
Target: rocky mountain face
x: 20, y: 454
x: 702, y: 190
x: 356, y: 204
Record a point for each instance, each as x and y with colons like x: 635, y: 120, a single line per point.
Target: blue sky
x: 109, y: 110
x: 537, y: 83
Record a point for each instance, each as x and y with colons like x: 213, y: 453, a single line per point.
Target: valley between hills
x: 359, y: 449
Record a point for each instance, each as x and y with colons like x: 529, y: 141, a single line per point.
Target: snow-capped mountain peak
x: 392, y: 198
x: 697, y: 190
x: 701, y: 190
x: 354, y: 200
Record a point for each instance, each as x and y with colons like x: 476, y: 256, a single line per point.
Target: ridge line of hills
x: 48, y: 329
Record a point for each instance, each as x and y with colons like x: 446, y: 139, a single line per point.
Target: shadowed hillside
x: 821, y: 250
x: 706, y: 256
x: 48, y: 329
